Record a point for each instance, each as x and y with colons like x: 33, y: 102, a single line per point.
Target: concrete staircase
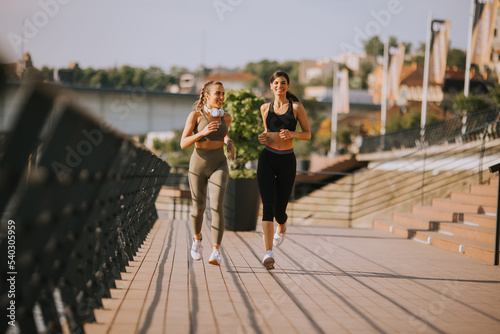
x: 463, y: 223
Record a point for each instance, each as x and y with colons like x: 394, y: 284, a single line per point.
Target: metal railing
x: 459, y: 129
x: 77, y: 199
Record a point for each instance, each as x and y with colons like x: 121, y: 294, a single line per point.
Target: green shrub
x: 246, y: 125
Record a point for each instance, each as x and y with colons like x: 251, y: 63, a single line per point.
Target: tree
x: 87, y: 75
x: 263, y: 69
x: 472, y: 103
x: 408, y: 46
x: 456, y: 58
x: 47, y: 73
x: 365, y: 68
x: 374, y: 46
x: 125, y: 76
x: 100, y: 79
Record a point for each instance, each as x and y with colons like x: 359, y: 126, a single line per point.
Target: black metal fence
x: 459, y: 129
x: 77, y: 199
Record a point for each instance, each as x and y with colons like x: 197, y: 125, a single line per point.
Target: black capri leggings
x: 276, y: 176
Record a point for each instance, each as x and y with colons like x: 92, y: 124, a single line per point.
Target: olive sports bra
x: 214, y: 136
x: 277, y: 122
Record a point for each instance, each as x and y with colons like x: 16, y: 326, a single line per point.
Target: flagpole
x: 425, y: 85
x: 333, y: 139
x: 383, y: 104
x: 469, y: 51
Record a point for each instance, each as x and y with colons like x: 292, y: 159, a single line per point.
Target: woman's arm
x: 188, y: 138
x: 227, y: 140
x: 263, y: 137
x: 305, y: 134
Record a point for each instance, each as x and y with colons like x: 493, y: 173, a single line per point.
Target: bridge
x: 134, y: 112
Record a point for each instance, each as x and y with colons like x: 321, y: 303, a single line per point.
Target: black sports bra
x: 277, y: 122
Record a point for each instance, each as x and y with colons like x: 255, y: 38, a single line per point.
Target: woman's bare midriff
x: 209, y: 145
x: 275, y: 141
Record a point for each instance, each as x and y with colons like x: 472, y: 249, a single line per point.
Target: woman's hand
x: 285, y: 134
x: 211, y: 127
x: 263, y: 137
x: 230, y: 148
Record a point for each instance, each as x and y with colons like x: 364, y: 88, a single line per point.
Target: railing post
x: 351, y: 199
x: 494, y: 169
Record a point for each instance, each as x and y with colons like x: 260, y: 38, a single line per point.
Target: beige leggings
x: 208, y: 168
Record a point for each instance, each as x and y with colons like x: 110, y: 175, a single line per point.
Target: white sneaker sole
x: 269, y: 263
x: 214, y: 262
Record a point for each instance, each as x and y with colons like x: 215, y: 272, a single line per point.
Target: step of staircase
x: 473, y: 249
x: 390, y: 226
x: 465, y: 223
x: 412, y: 221
x: 488, y: 200
x: 464, y: 231
x: 462, y: 206
x: 484, y: 189
x: 437, y: 213
x: 488, y: 221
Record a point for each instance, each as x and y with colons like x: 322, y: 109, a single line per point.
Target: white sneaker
x: 196, y: 250
x: 215, y: 258
x: 278, y: 238
x: 268, y: 260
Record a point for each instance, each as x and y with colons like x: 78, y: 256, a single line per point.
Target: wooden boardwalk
x: 327, y: 280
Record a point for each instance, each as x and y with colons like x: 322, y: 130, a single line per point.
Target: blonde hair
x: 206, y: 89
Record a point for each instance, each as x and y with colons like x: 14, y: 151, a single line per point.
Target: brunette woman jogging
x: 207, y: 128
x: 277, y: 164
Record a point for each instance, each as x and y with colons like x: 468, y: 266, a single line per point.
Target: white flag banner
x: 439, y: 50
x: 342, y: 95
x: 395, y: 66
x: 482, y: 31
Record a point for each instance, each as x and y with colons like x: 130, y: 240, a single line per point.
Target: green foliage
x: 243, y: 173
x: 472, y: 103
x: 265, y: 68
x: 408, y: 120
x: 302, y: 148
x: 246, y: 125
x: 47, y: 73
x: 494, y: 92
x: 374, y: 46
x: 365, y: 69
x: 344, y: 135
x: 456, y: 58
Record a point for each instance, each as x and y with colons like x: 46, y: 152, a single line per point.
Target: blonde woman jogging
x: 207, y: 129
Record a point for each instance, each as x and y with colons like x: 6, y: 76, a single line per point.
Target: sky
x: 228, y: 33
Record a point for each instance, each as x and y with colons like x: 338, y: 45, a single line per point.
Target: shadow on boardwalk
x: 327, y: 280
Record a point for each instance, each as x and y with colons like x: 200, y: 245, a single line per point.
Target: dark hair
x: 278, y: 74
x: 206, y: 89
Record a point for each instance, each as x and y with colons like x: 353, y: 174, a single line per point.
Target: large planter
x: 303, y: 165
x: 241, y: 205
